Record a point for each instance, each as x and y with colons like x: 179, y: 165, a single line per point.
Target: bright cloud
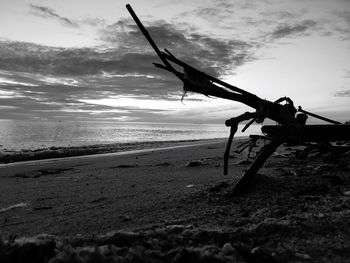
x: 6, y: 81
x: 143, y: 103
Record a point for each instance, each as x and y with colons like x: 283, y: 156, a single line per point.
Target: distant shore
x: 11, y: 156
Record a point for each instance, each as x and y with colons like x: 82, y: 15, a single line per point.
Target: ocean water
x: 18, y: 135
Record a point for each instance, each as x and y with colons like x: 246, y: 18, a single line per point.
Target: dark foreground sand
x: 164, y: 208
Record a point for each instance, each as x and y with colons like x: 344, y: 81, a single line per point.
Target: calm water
x: 17, y: 135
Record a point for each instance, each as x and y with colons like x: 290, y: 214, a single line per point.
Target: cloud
x: 64, y: 81
x: 46, y: 12
x: 59, y: 80
x: 287, y: 30
x: 343, y: 93
x: 128, y: 52
x: 96, y: 22
x: 222, y: 12
x: 211, y: 54
x: 347, y: 74
x: 27, y: 57
x: 57, y: 102
x: 343, y: 27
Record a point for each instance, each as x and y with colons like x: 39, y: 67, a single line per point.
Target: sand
x: 99, y: 193
x: 298, y: 210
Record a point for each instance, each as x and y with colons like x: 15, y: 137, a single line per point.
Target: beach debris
x: 125, y: 218
x: 50, y: 171
x: 242, y: 162
x: 219, y: 186
x: 21, y: 175
x: 227, y: 249
x: 262, y: 254
x: 291, y: 121
x: 119, y: 238
x: 346, y: 193
x: 101, y: 199
x: 286, y: 172
x: 42, y: 208
x: 302, y: 256
x: 54, y: 171
x: 323, y: 167
x: 11, y: 207
x: 39, y: 173
x: 257, y: 254
x: 125, y: 166
x: 195, y: 163
x: 163, y: 164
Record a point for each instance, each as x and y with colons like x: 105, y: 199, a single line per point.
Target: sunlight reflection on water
x: 16, y: 135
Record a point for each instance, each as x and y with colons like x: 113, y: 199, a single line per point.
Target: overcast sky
x: 86, y: 60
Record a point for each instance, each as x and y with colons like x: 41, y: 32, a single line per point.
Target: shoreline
x: 160, y: 146
x: 9, y: 157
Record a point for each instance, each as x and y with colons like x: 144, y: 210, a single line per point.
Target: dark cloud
x: 46, y: 12
x: 128, y: 53
x: 344, y: 26
x: 218, y: 11
x: 343, y: 93
x: 27, y: 57
x: 52, y: 82
x: 287, y: 30
x: 213, y: 55
x: 346, y: 74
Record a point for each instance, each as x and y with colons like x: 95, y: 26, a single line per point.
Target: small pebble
x: 244, y: 162
x: 346, y: 193
x: 227, y: 249
x: 194, y: 163
x: 125, y: 218
x: 303, y: 256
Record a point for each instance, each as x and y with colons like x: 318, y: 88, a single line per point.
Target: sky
x: 85, y: 60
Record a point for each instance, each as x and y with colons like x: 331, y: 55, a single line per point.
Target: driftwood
x: 291, y: 121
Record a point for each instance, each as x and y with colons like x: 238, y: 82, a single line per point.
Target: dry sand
x: 297, y: 211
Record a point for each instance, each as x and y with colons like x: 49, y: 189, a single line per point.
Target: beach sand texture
x: 94, y: 194
x: 299, y: 209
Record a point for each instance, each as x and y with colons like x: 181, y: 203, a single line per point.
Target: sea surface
x: 19, y: 135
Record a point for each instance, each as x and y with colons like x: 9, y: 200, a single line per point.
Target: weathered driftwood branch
x: 249, y: 175
x: 318, y: 116
x: 150, y: 40
x: 292, y: 126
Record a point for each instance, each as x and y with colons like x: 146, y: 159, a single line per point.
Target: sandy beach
x: 298, y: 210
x: 99, y: 193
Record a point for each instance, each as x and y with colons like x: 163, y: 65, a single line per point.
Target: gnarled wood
x: 291, y: 126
